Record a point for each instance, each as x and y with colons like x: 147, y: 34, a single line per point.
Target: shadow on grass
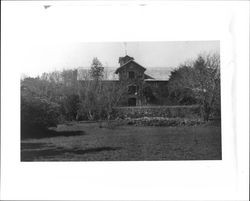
x: 37, y: 133
x: 35, y: 151
x: 30, y: 146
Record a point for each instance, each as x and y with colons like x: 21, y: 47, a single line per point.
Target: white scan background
x: 24, y: 23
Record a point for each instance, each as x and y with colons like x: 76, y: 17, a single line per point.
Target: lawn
x: 92, y: 142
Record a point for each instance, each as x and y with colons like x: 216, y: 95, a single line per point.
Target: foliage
x: 162, y: 121
x: 57, y: 87
x: 46, y: 101
x: 180, y: 93
x: 38, y: 112
x: 97, y: 99
x: 96, y: 70
x: 90, y: 99
x: 70, y: 105
x: 198, y: 81
x: 110, y: 96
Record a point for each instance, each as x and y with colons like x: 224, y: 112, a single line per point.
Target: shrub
x: 70, y: 106
x: 37, y: 114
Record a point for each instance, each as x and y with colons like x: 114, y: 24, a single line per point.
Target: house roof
x: 156, y: 73
x: 147, y: 76
x: 155, y: 80
x: 130, y: 61
x: 128, y: 58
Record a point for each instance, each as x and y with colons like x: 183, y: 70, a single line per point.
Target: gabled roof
x: 147, y: 76
x: 131, y: 61
x: 128, y: 58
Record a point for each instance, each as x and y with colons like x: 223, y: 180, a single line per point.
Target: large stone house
x: 137, y: 81
x: 141, y: 88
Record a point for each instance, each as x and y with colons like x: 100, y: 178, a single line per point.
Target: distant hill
x: 158, y: 73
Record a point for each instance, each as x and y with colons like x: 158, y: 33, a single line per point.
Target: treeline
x: 57, y: 96
x: 198, y: 82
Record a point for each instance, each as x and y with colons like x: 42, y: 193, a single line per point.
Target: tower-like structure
x: 132, y: 75
x: 123, y: 60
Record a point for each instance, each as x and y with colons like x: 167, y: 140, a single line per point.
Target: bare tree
x: 202, y: 78
x: 98, y: 99
x: 207, y: 76
x: 87, y: 97
x: 111, y: 94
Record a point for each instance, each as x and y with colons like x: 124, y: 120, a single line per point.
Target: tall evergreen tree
x: 97, y: 70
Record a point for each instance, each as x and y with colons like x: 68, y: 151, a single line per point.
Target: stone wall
x: 158, y: 111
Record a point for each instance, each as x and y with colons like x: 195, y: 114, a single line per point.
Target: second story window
x: 131, y: 74
x: 132, y: 89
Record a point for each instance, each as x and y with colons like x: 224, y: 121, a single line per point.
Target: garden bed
x: 162, y: 121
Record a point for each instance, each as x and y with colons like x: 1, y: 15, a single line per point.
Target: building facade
x: 141, y: 88
x: 138, y: 87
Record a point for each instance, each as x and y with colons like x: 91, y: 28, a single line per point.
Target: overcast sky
x: 48, y: 57
x: 40, y: 40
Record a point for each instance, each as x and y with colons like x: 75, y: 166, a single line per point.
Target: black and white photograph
x: 126, y: 101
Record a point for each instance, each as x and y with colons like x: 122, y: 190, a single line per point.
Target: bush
x: 70, y: 106
x: 37, y: 114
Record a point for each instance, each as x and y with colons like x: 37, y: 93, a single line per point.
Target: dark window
x: 132, y: 102
x: 132, y: 89
x: 131, y: 75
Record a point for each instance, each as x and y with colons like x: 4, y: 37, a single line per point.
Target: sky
x: 38, y: 40
x: 39, y: 58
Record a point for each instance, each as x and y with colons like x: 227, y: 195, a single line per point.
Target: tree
x: 180, y: 80
x: 38, y: 112
x: 60, y: 87
x: 96, y: 70
x: 98, y: 99
x: 201, y: 78
x: 111, y: 94
x: 88, y: 99
x: 207, y: 76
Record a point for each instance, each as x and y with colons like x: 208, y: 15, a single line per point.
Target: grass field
x: 90, y: 142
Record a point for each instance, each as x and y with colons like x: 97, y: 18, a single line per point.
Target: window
x: 132, y: 89
x: 131, y: 75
